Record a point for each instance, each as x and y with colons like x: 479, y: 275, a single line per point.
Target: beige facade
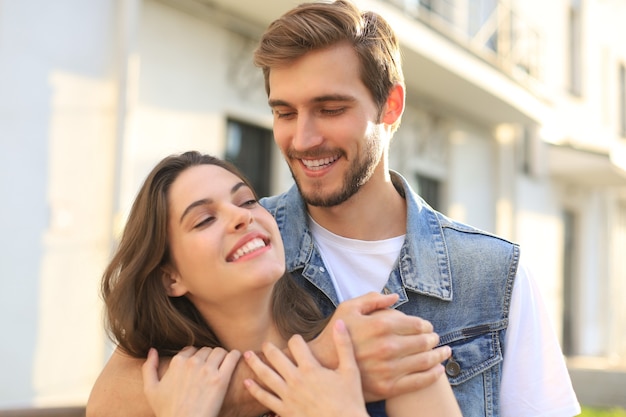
x: 516, y: 123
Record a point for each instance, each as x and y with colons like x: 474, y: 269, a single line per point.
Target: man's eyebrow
x: 207, y: 201
x: 320, y: 99
x: 276, y: 103
x: 333, y: 97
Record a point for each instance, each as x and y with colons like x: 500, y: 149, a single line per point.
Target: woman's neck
x: 244, y: 325
x: 249, y: 333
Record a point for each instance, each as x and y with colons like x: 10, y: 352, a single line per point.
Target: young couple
x: 201, y: 263
x: 350, y: 227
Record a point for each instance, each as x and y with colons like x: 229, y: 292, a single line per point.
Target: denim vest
x: 457, y: 277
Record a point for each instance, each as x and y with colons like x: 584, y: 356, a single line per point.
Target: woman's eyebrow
x: 207, y: 201
x: 237, y: 187
x: 202, y: 202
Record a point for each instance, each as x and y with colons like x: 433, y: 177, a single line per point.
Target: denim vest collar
x: 423, y: 264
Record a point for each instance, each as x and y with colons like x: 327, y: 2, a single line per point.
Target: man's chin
x: 319, y: 200
x: 313, y: 196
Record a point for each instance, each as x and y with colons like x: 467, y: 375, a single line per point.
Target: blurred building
x: 516, y: 123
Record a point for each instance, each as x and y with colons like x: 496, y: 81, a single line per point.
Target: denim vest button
x: 387, y: 291
x: 453, y: 368
x: 322, y: 269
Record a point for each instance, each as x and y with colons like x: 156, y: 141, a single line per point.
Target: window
x: 575, y: 46
x: 429, y: 189
x: 530, y: 151
x: 525, y: 153
x: 480, y: 14
x: 250, y: 148
x: 622, y: 100
x: 570, y: 284
x: 444, y: 9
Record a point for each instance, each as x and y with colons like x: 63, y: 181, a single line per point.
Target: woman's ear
x: 394, y: 105
x: 172, y: 283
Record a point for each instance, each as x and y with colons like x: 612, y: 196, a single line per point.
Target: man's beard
x: 357, y: 175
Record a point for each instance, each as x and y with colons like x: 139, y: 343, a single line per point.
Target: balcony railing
x: 490, y: 29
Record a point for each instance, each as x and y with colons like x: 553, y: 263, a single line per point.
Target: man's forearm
x: 238, y: 402
x: 118, y: 391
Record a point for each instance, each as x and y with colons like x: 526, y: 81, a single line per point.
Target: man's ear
x: 174, y: 287
x: 394, y: 106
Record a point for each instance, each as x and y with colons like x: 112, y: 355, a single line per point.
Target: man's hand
x: 394, y: 351
x: 194, y: 385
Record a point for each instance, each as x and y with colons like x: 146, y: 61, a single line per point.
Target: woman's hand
x: 306, y: 388
x: 194, y: 384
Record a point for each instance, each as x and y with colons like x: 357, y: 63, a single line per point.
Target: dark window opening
x: 622, y: 100
x: 429, y: 189
x: 570, y: 283
x: 574, y: 37
x: 249, y: 147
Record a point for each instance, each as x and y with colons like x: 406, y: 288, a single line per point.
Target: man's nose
x: 307, y: 135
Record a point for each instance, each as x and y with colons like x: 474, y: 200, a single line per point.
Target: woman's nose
x: 241, y: 218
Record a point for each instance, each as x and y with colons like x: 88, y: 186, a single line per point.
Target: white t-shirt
x: 536, y: 386
x: 542, y: 375
x: 367, y: 263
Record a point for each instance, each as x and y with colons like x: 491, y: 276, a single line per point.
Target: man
x: 336, y: 90
x: 351, y: 226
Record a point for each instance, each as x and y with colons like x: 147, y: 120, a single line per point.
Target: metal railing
x: 490, y: 29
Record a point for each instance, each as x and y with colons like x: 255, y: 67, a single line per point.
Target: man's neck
x: 377, y: 211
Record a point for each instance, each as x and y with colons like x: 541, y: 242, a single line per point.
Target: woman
x: 201, y: 264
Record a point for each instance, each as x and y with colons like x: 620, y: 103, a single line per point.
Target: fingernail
x: 340, y: 325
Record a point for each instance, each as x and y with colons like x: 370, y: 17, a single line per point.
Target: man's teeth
x: 251, y: 246
x: 317, y: 163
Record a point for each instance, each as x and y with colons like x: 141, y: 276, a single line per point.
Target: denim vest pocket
x: 474, y: 350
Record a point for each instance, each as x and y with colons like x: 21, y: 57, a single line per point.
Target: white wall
x: 189, y: 76
x: 539, y: 231
x: 57, y: 123
x: 472, y: 177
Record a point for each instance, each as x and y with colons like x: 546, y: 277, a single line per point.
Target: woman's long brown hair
x: 140, y: 314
